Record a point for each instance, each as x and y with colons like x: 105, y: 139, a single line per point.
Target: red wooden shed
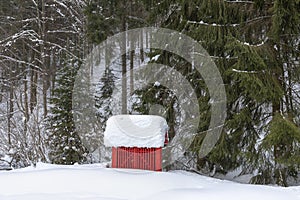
x: 136, y: 141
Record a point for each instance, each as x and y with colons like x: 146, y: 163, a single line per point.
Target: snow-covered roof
x: 135, y: 131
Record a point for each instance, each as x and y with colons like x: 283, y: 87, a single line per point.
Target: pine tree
x: 64, y: 143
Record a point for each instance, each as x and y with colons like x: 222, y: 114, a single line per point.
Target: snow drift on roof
x: 135, y: 131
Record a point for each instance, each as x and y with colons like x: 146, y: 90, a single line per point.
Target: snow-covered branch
x: 63, y: 31
x: 226, y: 57
x: 237, y: 1
x: 19, y: 61
x: 20, y: 34
x: 254, y: 45
x: 62, y: 48
x: 247, y: 72
x: 73, y: 13
x: 229, y: 25
x: 212, y: 24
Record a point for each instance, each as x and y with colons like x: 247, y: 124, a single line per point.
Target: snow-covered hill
x: 95, y: 182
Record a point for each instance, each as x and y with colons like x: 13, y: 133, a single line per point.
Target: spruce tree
x: 64, y: 143
x: 282, y: 140
x: 254, y: 44
x: 103, y: 97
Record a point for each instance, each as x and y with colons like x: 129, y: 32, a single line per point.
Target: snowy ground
x: 94, y: 182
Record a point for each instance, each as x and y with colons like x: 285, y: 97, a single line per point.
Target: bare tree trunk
x: 33, y: 88
x: 26, y: 109
x: 43, y: 55
x: 91, y: 64
x: 1, y: 87
x: 107, y: 57
x: 142, y: 46
x: 131, y: 67
x: 52, y: 71
x: 147, y: 39
x: 124, y: 70
x: 10, y: 110
x: 26, y: 104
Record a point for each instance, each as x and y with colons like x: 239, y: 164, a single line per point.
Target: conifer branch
x: 257, y: 19
x: 229, y: 25
x: 254, y: 45
x: 247, y: 72
x: 213, y: 24
x: 227, y: 57
x: 237, y: 1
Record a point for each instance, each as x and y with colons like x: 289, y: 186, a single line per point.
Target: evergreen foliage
x: 100, y: 19
x: 103, y: 98
x: 157, y: 99
x: 64, y: 143
x: 283, y: 144
x: 104, y: 17
x: 254, y: 44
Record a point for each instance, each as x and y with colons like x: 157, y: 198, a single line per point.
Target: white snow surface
x: 94, y: 182
x: 135, y: 131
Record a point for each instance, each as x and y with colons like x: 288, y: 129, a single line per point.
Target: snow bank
x: 93, y: 182
x: 135, y: 131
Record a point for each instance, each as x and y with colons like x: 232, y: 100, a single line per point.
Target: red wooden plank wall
x: 137, y: 158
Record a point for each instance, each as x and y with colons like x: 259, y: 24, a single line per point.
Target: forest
x: 255, y: 45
